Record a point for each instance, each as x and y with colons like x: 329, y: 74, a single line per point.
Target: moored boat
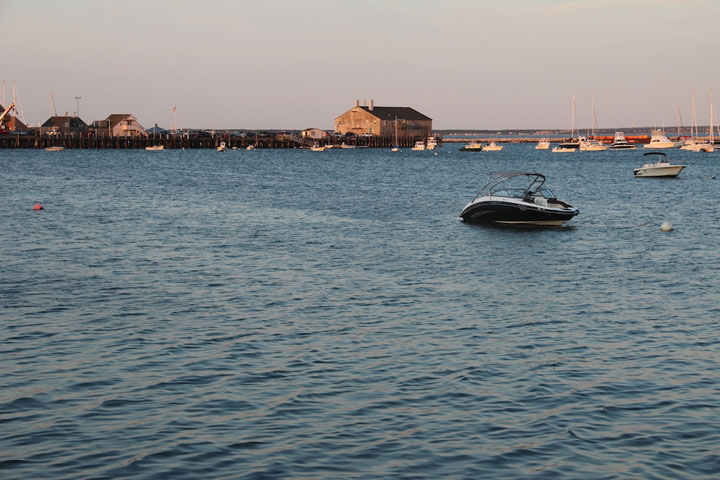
x: 500, y: 201
x: 492, y: 147
x: 591, y: 145
x: 658, y: 140
x: 620, y: 143
x: 543, y: 144
x: 155, y: 148
x: 472, y: 147
x: 661, y: 168
x: 419, y: 146
x: 54, y: 149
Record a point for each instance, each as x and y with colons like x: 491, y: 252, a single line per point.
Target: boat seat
x: 541, y: 201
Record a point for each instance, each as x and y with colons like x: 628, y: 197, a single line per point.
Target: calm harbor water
x: 291, y: 314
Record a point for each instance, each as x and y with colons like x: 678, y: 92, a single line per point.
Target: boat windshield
x: 515, y: 184
x: 546, y: 193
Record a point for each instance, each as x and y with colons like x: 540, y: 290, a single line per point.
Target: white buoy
x: 666, y: 227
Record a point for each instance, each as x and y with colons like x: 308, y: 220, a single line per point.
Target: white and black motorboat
x: 517, y: 197
x: 620, y: 143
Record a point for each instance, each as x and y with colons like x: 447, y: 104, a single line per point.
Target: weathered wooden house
x: 372, y: 120
x: 313, y: 133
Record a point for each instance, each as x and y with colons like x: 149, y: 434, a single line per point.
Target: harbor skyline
x: 286, y: 65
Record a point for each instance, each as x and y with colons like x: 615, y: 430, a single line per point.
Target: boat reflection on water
x: 499, y: 201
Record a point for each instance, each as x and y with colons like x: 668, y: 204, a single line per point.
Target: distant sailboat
x: 572, y: 143
x: 591, y: 144
x: 396, y: 147
x: 695, y: 144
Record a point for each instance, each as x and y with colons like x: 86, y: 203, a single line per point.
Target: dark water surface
x: 290, y: 314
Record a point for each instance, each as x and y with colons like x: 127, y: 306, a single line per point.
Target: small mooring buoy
x: 37, y: 206
x: 666, y: 227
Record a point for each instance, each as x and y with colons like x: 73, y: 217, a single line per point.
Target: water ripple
x: 274, y: 314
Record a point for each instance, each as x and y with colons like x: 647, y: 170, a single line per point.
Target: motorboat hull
x: 492, y: 148
x: 659, y: 145
x: 659, y: 171
x: 498, y: 210
x: 594, y: 148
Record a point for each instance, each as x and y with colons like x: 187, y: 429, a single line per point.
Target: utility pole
x: 77, y: 101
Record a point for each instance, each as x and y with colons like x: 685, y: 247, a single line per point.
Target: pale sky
x: 290, y: 64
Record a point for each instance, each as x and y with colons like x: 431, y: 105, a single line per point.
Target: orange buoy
x: 37, y: 206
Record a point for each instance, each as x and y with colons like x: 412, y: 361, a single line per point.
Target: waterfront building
x: 156, y: 130
x: 118, y: 125
x: 313, y: 133
x: 373, y: 120
x: 64, y: 125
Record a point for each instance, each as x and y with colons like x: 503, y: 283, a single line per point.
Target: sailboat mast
x: 572, y: 119
x: 53, y: 112
x: 693, y: 128
x: 594, y: 120
x: 712, y: 139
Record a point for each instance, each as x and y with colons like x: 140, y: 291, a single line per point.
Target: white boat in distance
x: 221, y: 147
x: 318, y: 148
x: 492, y: 147
x: 543, y: 144
x: 619, y: 143
x: 432, y: 143
x: 570, y: 144
x: 661, y: 168
x: 155, y: 148
x: 658, y: 141
x: 473, y: 146
x: 54, y: 149
x: 419, y: 146
x: 591, y: 145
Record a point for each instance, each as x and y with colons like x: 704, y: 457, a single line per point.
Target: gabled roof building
x: 369, y: 119
x: 63, y: 125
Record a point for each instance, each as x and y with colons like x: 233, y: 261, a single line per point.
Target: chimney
x: 371, y: 105
x: 357, y: 103
x: 364, y: 102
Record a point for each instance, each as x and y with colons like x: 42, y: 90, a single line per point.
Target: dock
x: 200, y: 140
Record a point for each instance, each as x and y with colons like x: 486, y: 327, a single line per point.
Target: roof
x: 14, y: 124
x: 402, y: 113
x: 61, y: 120
x: 116, y: 118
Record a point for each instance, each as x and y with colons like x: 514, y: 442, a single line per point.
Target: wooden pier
x: 179, y: 141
